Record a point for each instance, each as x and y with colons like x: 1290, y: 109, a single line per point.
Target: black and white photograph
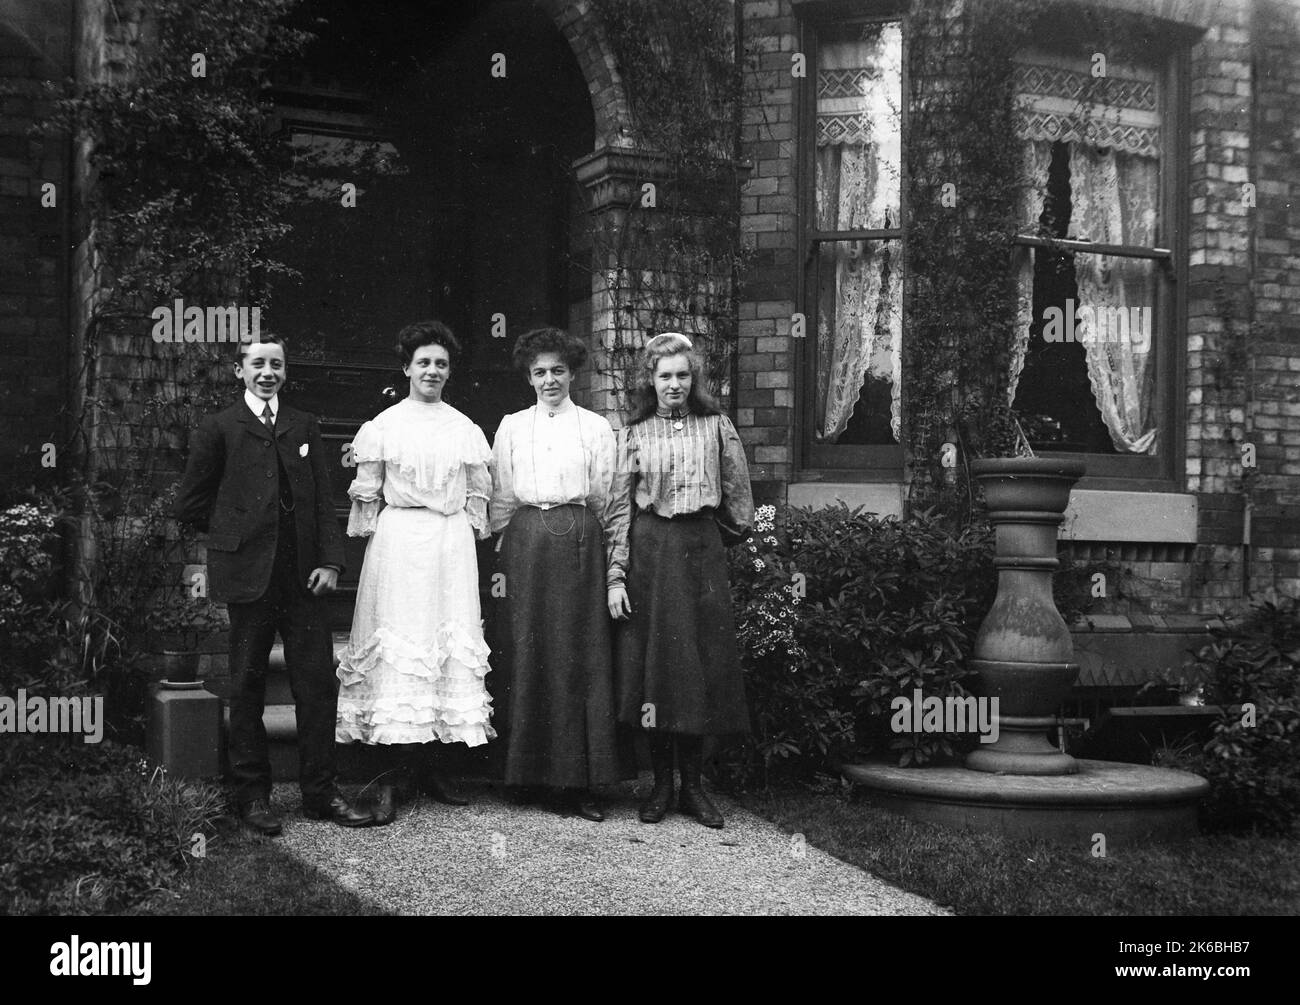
x: 634, y: 458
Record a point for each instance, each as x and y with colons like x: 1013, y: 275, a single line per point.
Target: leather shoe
x: 259, y: 816
x: 584, y: 803
x: 442, y: 788
x: 655, y: 808
x: 693, y: 802
x: 339, y: 809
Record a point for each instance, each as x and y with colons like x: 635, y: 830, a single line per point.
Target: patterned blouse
x: 677, y: 472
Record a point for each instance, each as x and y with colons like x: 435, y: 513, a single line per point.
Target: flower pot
x: 178, y: 666
x: 1024, y: 654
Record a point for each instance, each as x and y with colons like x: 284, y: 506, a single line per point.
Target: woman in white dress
x: 415, y: 666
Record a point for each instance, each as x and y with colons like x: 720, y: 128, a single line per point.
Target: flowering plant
x: 768, y: 593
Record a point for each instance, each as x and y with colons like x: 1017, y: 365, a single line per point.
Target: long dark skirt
x: 677, y: 652
x: 554, y: 682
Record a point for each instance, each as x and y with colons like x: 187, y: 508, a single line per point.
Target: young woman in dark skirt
x: 682, y: 489
x: 553, y: 471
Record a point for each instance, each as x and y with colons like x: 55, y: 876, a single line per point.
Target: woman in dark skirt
x: 553, y: 470
x: 683, y: 480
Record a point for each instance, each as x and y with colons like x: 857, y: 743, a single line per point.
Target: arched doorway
x: 480, y: 226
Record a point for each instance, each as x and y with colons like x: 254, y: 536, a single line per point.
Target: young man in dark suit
x: 258, y: 484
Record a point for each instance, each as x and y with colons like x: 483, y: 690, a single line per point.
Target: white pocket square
x: 302, y: 451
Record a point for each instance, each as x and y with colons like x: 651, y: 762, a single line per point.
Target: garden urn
x: 1023, y: 653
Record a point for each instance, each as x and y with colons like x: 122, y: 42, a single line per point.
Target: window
x: 1094, y: 370
x: 853, y: 228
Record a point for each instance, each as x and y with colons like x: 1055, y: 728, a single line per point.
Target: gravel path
x: 495, y: 857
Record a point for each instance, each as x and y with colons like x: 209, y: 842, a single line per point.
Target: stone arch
x: 581, y: 27
x: 1191, y: 13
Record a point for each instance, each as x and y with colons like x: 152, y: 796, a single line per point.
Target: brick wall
x: 1275, y: 289
x: 1242, y: 335
x: 765, y: 396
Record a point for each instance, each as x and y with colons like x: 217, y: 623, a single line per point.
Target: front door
x: 470, y: 222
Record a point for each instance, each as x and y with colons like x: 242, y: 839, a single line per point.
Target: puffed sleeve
x: 736, y: 510
x: 617, y: 521
x: 504, y: 500
x: 478, y: 480
x: 366, y: 490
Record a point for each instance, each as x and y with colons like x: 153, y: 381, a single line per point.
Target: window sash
x: 848, y: 462
x: 1165, y: 471
x: 885, y: 463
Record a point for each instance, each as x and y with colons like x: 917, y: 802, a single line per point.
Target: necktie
x: 268, y: 419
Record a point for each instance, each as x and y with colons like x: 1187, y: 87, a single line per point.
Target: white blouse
x: 420, y: 454
x: 550, y: 457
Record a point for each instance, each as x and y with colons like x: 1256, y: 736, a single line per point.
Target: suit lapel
x: 287, y: 420
x: 250, y: 421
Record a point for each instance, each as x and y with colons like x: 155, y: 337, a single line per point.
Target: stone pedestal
x: 184, y: 732
x: 1024, y: 654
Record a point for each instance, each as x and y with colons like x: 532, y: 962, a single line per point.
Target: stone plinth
x: 1128, y: 803
x: 184, y: 732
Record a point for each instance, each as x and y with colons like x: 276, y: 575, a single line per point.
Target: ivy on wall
x: 965, y: 175
x: 672, y: 258
x: 183, y: 196
x: 963, y: 168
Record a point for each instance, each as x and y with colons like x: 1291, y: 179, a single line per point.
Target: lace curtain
x: 1114, y: 203
x: 1112, y: 127
x: 1036, y: 161
x: 859, y: 327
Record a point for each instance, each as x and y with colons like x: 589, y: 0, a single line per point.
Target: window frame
x: 884, y: 463
x: 1165, y: 471
x: 847, y: 462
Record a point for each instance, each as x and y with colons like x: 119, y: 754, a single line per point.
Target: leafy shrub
x: 842, y: 615
x: 90, y: 828
x: 26, y: 563
x: 1251, y: 667
x: 839, y: 612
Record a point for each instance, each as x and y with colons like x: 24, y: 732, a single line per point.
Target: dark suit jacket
x: 230, y: 490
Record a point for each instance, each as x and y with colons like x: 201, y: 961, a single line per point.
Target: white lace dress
x: 415, y: 666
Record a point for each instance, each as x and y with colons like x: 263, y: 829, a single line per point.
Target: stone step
x: 278, y: 691
x: 279, y: 716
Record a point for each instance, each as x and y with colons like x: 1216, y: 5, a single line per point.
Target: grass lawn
x: 244, y: 873
x: 981, y: 874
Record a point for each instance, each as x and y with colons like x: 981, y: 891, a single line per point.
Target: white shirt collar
x: 561, y: 409
x: 256, y: 405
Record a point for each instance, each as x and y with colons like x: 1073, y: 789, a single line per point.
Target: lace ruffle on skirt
x: 415, y: 667
x: 393, y: 690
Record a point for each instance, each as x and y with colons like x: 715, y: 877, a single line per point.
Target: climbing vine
x: 184, y: 197
x: 671, y: 256
x: 965, y: 176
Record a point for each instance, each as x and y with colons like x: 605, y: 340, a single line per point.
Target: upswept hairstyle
x: 642, y: 397
x: 532, y: 344
x: 424, y: 333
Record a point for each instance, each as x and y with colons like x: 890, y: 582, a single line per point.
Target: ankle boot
x: 431, y: 781
x: 692, y: 801
x: 385, y: 767
x: 661, y: 759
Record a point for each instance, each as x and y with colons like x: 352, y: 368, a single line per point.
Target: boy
x: 257, y: 483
